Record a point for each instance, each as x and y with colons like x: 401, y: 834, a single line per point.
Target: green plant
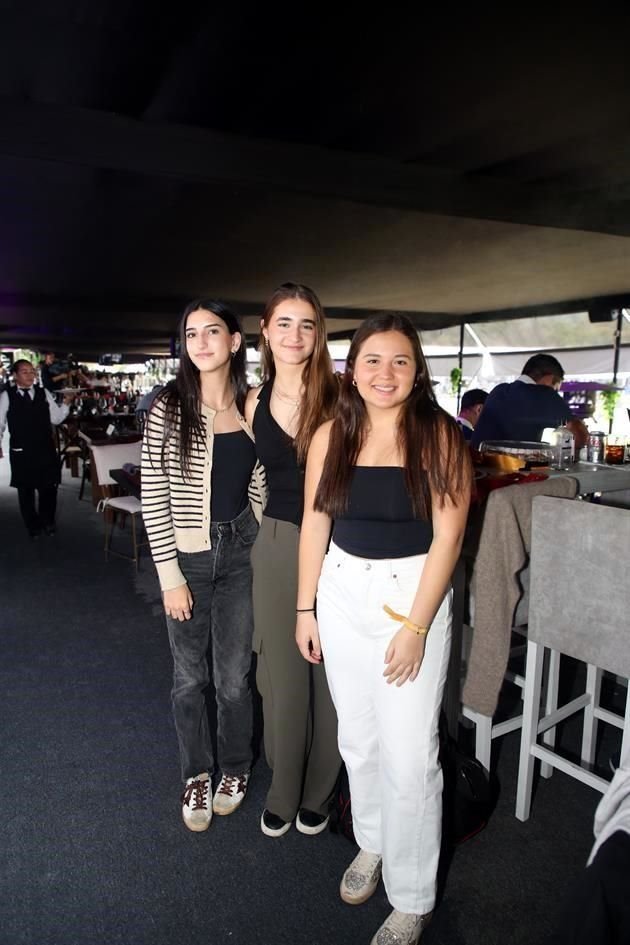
x: 456, y: 380
x: 609, y: 402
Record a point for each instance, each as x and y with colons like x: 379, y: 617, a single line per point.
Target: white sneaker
x: 196, y: 810
x: 361, y: 878
x: 401, y: 928
x: 230, y: 793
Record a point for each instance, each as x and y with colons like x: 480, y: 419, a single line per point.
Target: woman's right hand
x: 307, y: 638
x: 178, y: 602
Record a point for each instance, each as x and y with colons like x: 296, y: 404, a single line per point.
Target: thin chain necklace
x: 285, y: 397
x: 220, y: 409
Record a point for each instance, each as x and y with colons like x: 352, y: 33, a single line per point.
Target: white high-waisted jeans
x: 388, y: 736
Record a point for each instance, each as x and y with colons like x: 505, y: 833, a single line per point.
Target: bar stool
x: 499, y: 590
x: 579, y: 606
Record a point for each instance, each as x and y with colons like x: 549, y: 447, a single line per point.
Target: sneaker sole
x: 269, y: 832
x: 310, y: 831
x: 225, y: 812
x: 196, y: 828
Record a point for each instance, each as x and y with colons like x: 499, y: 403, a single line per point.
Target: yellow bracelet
x: 414, y: 627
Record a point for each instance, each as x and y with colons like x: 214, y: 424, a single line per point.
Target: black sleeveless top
x: 379, y: 521
x: 285, y: 478
x: 233, y: 459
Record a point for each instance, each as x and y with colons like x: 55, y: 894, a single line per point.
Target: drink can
x: 596, y: 446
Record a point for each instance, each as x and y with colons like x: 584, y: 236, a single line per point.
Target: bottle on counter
x: 563, y: 443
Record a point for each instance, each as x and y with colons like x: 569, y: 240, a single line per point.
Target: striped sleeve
x: 156, y: 501
x: 257, y: 492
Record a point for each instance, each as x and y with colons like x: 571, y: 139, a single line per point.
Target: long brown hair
x: 318, y: 378
x: 182, y: 396
x: 436, y: 457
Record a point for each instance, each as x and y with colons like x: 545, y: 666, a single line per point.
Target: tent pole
x: 460, y: 364
x: 616, y: 358
x: 617, y: 344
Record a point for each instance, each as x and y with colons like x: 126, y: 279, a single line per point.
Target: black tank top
x: 233, y: 459
x: 379, y: 521
x: 285, y: 478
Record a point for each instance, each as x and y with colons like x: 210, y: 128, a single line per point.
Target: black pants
x: 220, y: 581
x: 597, y: 908
x: 44, y: 517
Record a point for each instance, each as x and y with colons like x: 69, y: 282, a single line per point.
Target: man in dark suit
x: 470, y: 411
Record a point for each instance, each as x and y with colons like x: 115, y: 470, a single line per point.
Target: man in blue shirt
x: 523, y: 409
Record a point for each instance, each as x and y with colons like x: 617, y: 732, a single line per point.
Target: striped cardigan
x: 176, y: 511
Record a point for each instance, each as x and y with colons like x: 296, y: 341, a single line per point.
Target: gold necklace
x: 285, y: 397
x: 219, y: 409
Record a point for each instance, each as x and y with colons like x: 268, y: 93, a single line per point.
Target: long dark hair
x: 318, y: 378
x: 182, y: 396
x: 435, y: 455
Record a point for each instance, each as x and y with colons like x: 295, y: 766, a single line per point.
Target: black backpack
x: 468, y: 798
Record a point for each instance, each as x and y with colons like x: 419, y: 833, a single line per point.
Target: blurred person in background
x: 523, y: 409
x: 54, y: 375
x: 470, y: 411
x: 29, y: 411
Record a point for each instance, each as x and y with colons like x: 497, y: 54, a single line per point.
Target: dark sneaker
x: 401, y: 928
x: 49, y: 529
x: 310, y: 823
x: 361, y: 878
x: 196, y: 809
x: 614, y: 761
x: 273, y: 826
x: 230, y: 793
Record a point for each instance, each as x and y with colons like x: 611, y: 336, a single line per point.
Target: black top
x: 379, y: 522
x: 285, y: 478
x: 233, y: 459
x: 520, y: 411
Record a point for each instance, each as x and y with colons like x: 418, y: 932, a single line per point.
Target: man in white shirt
x: 29, y: 410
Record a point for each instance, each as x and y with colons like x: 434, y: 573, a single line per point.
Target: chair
x: 109, y: 457
x: 579, y: 605
x: 499, y: 592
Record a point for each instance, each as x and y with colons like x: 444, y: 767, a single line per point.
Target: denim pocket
x: 248, y: 532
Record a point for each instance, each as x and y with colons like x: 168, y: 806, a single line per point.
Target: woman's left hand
x: 404, y: 656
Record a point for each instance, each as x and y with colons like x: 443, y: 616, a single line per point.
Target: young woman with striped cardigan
x: 202, y: 500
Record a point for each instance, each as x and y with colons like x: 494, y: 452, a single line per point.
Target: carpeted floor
x: 93, y: 847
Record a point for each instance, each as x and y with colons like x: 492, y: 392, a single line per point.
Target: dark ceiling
x: 449, y: 164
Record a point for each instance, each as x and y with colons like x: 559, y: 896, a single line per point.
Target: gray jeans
x: 220, y: 581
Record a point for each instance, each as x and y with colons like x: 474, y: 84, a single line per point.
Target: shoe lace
x: 232, y: 784
x: 200, y: 791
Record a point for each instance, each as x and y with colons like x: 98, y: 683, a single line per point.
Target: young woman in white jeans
x: 393, y: 474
